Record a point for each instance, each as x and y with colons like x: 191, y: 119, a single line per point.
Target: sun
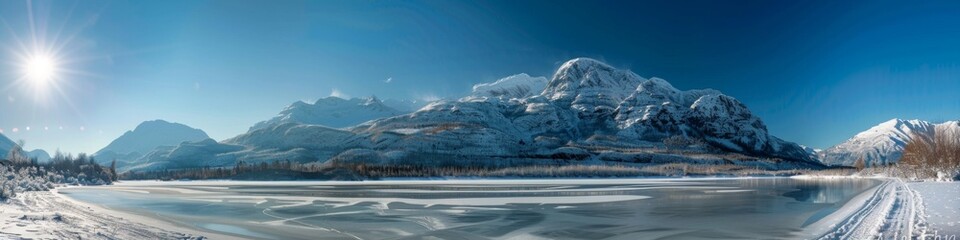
x: 40, y: 69
x: 41, y: 75
x: 43, y: 61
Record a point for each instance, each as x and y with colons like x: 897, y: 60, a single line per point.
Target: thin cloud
x: 337, y: 93
x: 428, y: 97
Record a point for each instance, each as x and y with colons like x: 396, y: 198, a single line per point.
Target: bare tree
x: 860, y: 164
x: 933, y: 156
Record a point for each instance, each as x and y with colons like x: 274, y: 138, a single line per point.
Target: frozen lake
x: 484, y: 209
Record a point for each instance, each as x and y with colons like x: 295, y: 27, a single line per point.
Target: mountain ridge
x: 511, y: 87
x: 881, y: 144
x: 147, y: 136
x: 588, y: 109
x: 331, y: 111
x: 5, y: 145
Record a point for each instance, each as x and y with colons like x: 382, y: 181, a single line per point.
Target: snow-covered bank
x: 49, y: 215
x: 942, y: 203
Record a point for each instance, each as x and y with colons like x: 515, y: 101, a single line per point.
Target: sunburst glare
x: 43, y: 57
x: 40, y: 69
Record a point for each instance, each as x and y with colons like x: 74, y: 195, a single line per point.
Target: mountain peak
x: 149, y: 135
x: 515, y: 86
x: 893, y: 121
x: 897, y: 126
x: 588, y: 85
x: 152, y: 124
x: 330, y: 100
x: 583, y: 62
x: 881, y: 144
x: 372, y: 100
x: 584, y: 67
x: 900, y: 123
x: 332, y: 112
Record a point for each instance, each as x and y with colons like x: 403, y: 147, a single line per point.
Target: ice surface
x: 490, y: 209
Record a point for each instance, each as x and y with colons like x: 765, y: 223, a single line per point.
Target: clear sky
x: 817, y: 72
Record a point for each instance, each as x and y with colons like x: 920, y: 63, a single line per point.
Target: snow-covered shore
x: 898, y: 209
x: 942, y: 204
x: 50, y: 215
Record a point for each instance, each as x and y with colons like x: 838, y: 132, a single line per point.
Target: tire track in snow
x: 893, y: 211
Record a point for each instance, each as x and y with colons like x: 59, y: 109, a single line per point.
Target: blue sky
x: 817, y: 72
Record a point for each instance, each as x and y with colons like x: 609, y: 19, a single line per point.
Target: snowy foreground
x: 942, y: 203
x: 891, y: 210
x: 50, y: 215
x: 900, y: 210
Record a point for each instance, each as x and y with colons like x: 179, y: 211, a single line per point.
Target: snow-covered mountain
x: 515, y: 86
x: 812, y: 152
x: 404, y: 105
x: 39, y: 154
x: 587, y: 110
x: 881, y: 144
x: 5, y: 145
x: 332, y: 112
x: 145, y: 138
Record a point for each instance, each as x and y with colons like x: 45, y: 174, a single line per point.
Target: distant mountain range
x: 159, y: 139
x: 587, y: 110
x: 513, y: 87
x: 39, y: 154
x: 332, y: 112
x: 6, y: 144
x: 405, y: 105
x: 295, y: 140
x: 882, y: 144
x: 147, y: 137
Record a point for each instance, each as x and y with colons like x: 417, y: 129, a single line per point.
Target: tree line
x: 242, y: 169
x: 21, y: 173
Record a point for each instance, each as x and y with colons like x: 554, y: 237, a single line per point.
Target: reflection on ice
x: 544, y: 209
